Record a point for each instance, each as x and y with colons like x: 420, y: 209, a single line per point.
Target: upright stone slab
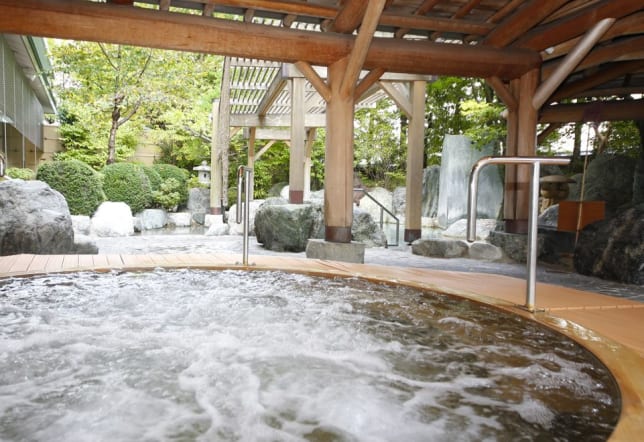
x: 431, y: 185
x: 459, y: 155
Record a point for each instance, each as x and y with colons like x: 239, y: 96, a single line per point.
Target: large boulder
x: 609, y: 178
x: 199, y: 200
x: 288, y: 227
x: 613, y: 248
x: 399, y: 200
x: 34, y: 218
x: 383, y: 196
x: 238, y: 228
x: 113, y: 219
x: 365, y: 230
x: 150, y: 219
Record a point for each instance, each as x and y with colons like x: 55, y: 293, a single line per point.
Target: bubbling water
x: 270, y: 356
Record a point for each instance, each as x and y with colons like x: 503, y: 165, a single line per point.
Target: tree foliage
x: 113, y: 97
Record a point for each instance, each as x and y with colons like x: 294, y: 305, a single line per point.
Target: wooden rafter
x: 523, y: 19
x: 349, y: 16
x: 569, y: 27
x: 609, y: 111
x: 424, y: 8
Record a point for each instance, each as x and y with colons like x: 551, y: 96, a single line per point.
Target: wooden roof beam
x: 361, y: 46
x: 427, y: 6
x: 166, y: 30
x: 276, y: 86
x: 602, y: 76
x: 349, y: 16
x: 523, y: 19
x: 503, y: 92
x: 562, y: 30
x: 569, y: 63
x: 618, y: 110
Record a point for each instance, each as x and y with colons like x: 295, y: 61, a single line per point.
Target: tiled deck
x: 605, y: 320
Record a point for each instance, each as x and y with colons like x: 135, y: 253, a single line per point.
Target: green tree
x: 115, y: 95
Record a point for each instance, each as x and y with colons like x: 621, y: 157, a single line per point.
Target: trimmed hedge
x: 181, y: 175
x: 19, y: 173
x: 153, y: 177
x: 77, y: 182
x: 128, y: 183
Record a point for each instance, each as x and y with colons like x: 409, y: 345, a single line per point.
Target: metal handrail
x: 382, y: 208
x: 531, y: 283
x: 243, y: 180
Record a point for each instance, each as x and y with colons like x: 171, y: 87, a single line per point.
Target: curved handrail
x: 532, y: 214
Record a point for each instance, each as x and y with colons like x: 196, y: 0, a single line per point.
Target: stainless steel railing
x: 382, y: 210
x: 536, y: 162
x: 244, y: 175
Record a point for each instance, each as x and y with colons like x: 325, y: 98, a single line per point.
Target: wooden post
x: 526, y: 146
x: 310, y: 139
x: 251, y: 162
x: 509, y: 202
x: 415, y: 150
x: 338, y: 165
x: 215, y: 163
x: 298, y: 136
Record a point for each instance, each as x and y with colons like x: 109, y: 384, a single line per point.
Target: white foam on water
x: 195, y: 355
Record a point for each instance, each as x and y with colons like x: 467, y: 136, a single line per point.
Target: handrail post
x: 531, y: 281
x: 243, y: 181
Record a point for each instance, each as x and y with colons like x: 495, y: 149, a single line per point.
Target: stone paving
x: 394, y: 256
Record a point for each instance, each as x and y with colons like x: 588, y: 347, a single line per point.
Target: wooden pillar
x: 310, y: 139
x: 298, y: 136
x: 251, y: 161
x: 509, y: 202
x: 215, y: 163
x: 526, y: 136
x: 415, y: 150
x: 338, y: 165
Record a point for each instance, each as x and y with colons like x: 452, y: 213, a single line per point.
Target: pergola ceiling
x: 494, y: 39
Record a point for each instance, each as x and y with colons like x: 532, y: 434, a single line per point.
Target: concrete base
x: 335, y: 251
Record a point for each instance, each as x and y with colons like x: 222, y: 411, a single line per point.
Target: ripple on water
x: 198, y: 355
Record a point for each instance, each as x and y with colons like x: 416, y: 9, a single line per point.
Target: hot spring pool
x: 270, y: 356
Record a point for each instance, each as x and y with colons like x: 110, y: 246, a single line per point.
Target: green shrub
x: 127, y: 182
x: 153, y: 177
x: 181, y: 175
x: 19, y: 173
x: 168, y: 195
x: 77, y: 182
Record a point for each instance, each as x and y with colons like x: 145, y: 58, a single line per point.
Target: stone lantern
x: 203, y: 173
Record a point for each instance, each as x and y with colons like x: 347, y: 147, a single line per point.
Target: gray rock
x: 287, y: 227
x: 383, y: 196
x: 34, y: 218
x: 485, y: 251
x: 365, y: 230
x: 82, y: 224
x: 316, y: 197
x: 199, y: 218
x: 459, y: 228
x: 613, y: 248
x: 399, y: 200
x: 440, y: 248
x: 179, y: 219
x: 84, y: 245
x: 345, y: 252
x: 609, y: 178
x: 199, y: 200
x: 218, y: 229
x: 515, y: 245
x: 431, y: 185
x: 238, y: 229
x: 549, y: 217
x: 151, y: 219
x: 113, y: 219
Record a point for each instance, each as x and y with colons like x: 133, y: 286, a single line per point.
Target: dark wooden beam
x: 522, y: 20
x: 598, y: 78
x: 577, y: 24
x: 622, y: 110
x: 349, y: 16
x: 167, y: 30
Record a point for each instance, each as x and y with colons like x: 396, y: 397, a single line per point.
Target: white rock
x: 113, y: 219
